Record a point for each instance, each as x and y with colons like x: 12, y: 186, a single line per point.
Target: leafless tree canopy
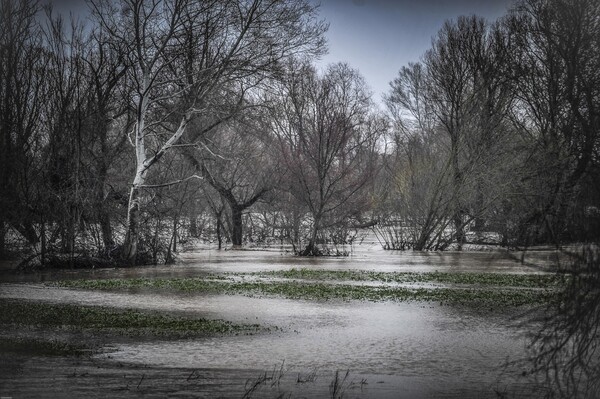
x: 150, y: 122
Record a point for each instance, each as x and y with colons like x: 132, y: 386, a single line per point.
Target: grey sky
x: 65, y: 6
x: 378, y: 37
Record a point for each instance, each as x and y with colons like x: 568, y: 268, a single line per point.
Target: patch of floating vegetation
x: 488, y: 290
x: 492, y: 279
x: 124, y: 322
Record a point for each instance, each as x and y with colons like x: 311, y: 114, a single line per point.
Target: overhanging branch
x: 171, y: 183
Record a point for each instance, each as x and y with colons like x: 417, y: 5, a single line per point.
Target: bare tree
x: 468, y: 94
x: 327, y: 138
x: 65, y: 171
x: 145, y: 30
x: 558, y: 119
x: 235, y: 160
x: 418, y: 184
x: 183, y: 53
x: 22, y: 70
x: 558, y: 111
x: 108, y: 118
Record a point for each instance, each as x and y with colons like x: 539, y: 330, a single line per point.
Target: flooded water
x: 394, y: 349
x: 427, y: 348
x: 366, y: 256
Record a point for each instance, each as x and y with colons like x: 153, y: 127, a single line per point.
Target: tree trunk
x: 3, y: 231
x: 175, y: 223
x: 419, y: 244
x: 457, y: 219
x: 236, y: 226
x: 27, y: 230
x: 107, y: 232
x: 194, y: 227
x: 103, y: 213
x: 457, y: 214
x: 296, y: 228
x: 43, y: 243
x: 312, y: 249
x: 130, y: 246
x: 219, y: 228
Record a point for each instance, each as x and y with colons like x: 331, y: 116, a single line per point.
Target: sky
x: 378, y: 37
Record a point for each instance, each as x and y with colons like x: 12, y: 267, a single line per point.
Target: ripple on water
x: 400, y: 343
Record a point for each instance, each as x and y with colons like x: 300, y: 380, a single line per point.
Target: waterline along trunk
x: 130, y: 246
x: 236, y: 219
x: 312, y: 249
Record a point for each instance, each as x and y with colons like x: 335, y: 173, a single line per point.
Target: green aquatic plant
x: 322, y: 290
x: 493, y: 279
x: 125, y: 321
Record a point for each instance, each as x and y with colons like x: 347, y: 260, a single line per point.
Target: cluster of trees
x: 122, y: 128
x: 121, y: 124
x: 498, y: 128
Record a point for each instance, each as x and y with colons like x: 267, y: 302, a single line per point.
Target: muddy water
x: 419, y: 349
x: 398, y: 349
x: 425, y: 347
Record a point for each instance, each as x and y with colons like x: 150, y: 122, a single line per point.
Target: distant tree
x: 236, y: 160
x: 66, y: 182
x: 557, y: 112
x: 108, y: 118
x: 417, y: 174
x: 327, y: 137
x: 22, y: 97
x: 470, y: 88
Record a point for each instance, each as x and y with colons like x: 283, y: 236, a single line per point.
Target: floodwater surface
x: 408, y: 349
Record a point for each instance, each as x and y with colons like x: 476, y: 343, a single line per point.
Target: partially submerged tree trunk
x: 144, y: 162
x: 236, y: 207
x: 3, y: 231
x: 237, y: 222
x: 312, y: 249
x: 236, y: 225
x: 107, y: 231
x: 194, y: 227
x: 219, y: 217
x: 130, y: 245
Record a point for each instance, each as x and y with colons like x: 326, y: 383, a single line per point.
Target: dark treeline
x: 142, y: 123
x: 497, y: 129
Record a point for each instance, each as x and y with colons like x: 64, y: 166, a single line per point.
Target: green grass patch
x: 293, y: 289
x: 491, y: 279
x: 197, y: 285
x: 126, y: 322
